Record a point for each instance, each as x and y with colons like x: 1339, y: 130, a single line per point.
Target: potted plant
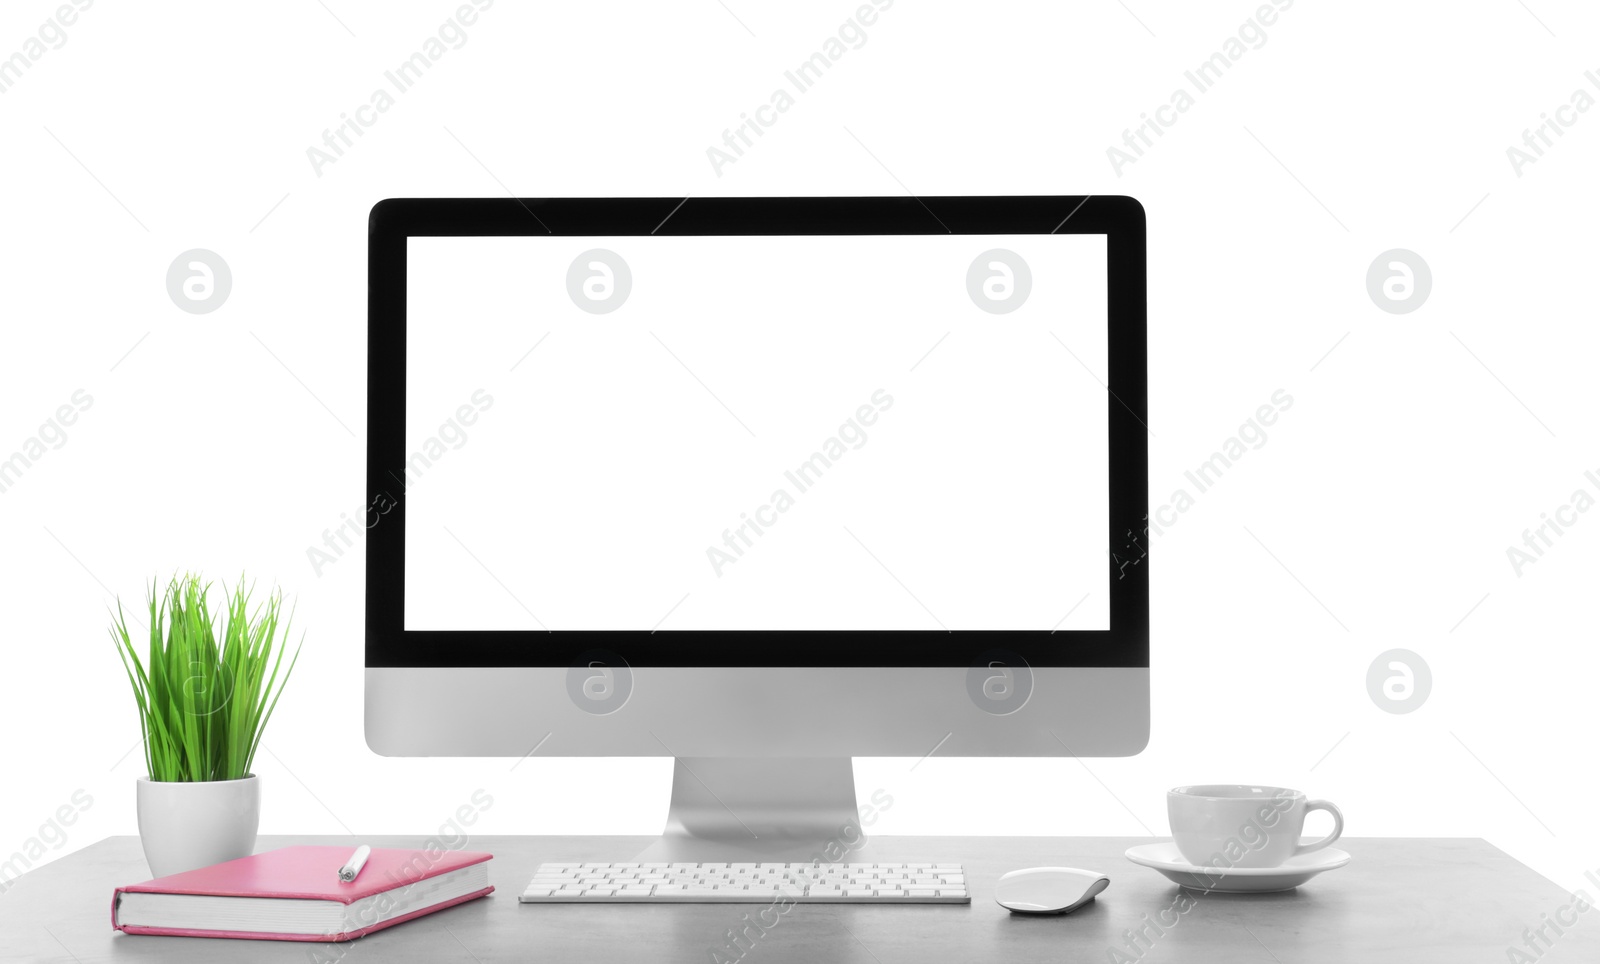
x: 203, y: 704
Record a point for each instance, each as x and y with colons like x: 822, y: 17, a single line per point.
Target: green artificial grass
x: 203, y: 704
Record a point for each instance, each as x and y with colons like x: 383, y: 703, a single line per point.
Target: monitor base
x: 761, y: 809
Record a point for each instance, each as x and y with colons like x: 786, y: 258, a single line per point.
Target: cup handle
x: 1338, y: 826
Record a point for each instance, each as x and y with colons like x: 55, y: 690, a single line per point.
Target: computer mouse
x: 1048, y: 890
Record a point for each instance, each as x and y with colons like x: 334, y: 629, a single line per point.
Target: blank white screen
x: 640, y: 468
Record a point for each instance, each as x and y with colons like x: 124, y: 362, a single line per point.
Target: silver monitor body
x: 762, y: 693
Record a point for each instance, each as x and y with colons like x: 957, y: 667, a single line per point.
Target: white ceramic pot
x: 189, y: 825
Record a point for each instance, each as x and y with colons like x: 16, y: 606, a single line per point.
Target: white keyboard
x: 725, y: 883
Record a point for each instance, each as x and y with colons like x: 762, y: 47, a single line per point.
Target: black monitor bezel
x: 1120, y: 219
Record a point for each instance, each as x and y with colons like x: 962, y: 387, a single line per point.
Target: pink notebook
x: 294, y: 894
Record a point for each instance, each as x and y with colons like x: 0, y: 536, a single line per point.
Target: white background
x: 620, y: 447
x: 1380, y: 507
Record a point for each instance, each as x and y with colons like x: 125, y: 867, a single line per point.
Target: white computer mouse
x: 1048, y: 890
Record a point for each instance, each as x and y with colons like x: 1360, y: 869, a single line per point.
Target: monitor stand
x: 761, y: 809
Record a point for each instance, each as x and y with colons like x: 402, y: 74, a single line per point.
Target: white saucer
x: 1239, y: 880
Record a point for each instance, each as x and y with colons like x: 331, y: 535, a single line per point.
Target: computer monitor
x: 761, y: 484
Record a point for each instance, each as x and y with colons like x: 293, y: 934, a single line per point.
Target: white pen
x: 352, y: 867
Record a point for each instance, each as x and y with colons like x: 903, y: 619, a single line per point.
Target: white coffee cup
x: 1238, y: 825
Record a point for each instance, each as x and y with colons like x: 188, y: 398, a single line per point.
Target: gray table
x: 1410, y: 901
